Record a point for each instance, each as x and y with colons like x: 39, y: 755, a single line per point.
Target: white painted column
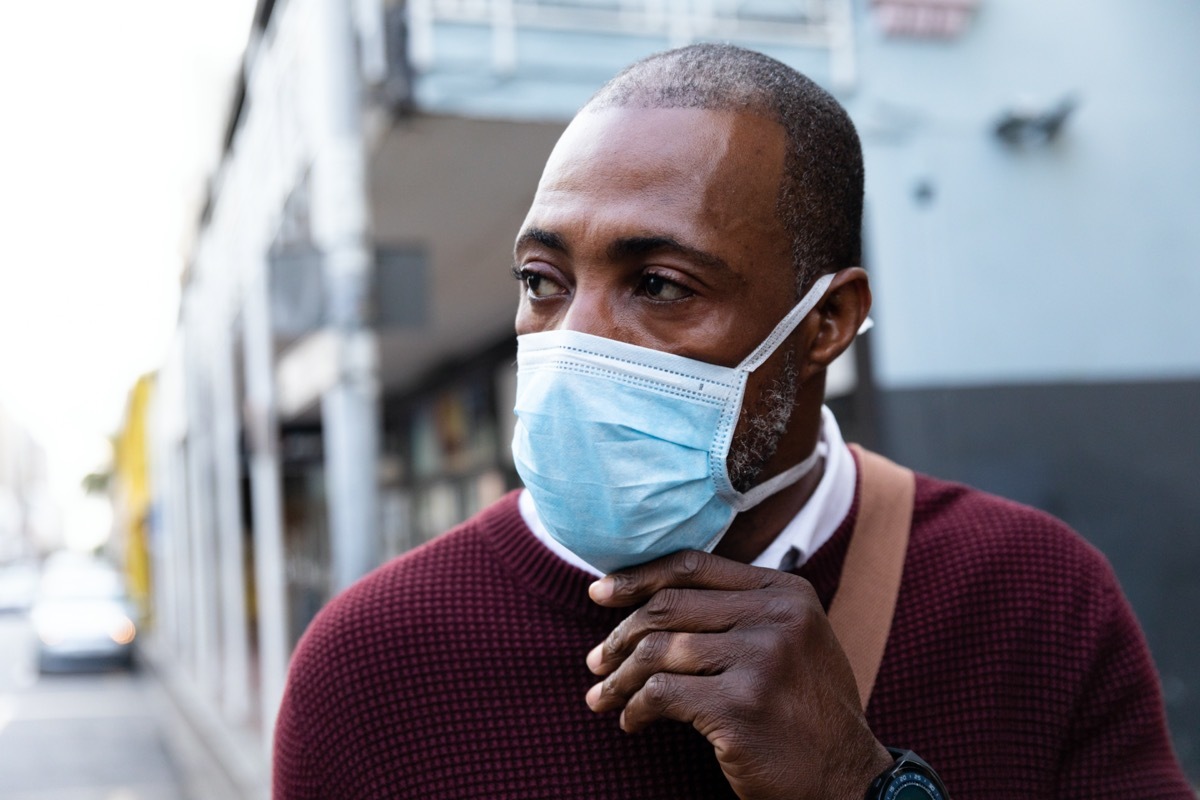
x: 235, y: 668
x: 341, y: 231
x: 204, y: 664
x: 181, y: 576
x: 169, y: 421
x: 266, y: 494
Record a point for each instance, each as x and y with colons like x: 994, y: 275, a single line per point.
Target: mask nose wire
x: 786, y: 325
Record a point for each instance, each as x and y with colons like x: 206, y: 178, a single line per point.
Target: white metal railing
x: 822, y: 24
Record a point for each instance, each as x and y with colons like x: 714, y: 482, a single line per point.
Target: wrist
x: 908, y: 777
x: 881, y: 760
x: 851, y: 780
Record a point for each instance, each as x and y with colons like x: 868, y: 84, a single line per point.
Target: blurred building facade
x: 129, y: 490
x: 340, y: 386
x: 29, y: 520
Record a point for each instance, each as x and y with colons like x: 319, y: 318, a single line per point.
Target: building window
x: 924, y: 19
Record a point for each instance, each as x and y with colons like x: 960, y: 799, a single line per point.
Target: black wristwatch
x: 908, y: 778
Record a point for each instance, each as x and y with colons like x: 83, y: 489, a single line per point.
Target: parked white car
x: 82, y: 616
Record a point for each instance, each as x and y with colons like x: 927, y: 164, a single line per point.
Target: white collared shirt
x: 812, y: 526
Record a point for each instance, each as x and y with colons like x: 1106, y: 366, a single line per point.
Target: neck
x: 753, y: 531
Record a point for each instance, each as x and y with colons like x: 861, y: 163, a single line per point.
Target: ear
x: 839, y: 315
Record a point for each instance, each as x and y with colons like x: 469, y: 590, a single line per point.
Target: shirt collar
x: 819, y: 518
x: 812, y: 526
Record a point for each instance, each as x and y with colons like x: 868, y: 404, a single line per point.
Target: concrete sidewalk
x: 216, y: 760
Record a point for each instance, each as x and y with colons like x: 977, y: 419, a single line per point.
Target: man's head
x: 681, y: 209
x: 821, y: 196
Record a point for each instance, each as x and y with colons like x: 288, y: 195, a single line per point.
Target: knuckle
x: 735, y: 751
x: 744, y: 694
x: 657, y: 690
x: 689, y: 564
x: 809, y: 615
x: 662, y: 605
x: 732, y: 749
x: 623, y: 583
x: 782, y: 608
x: 790, y: 582
x: 652, y: 648
x: 614, y: 645
x: 610, y: 688
x: 706, y: 660
x: 803, y: 612
x: 773, y: 648
x: 805, y: 591
x: 802, y: 625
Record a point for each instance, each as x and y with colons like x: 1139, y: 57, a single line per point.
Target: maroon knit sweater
x: 1014, y: 666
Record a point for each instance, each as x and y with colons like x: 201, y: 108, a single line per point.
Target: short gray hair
x: 821, y: 196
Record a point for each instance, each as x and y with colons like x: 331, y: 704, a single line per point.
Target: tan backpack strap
x: 861, y: 611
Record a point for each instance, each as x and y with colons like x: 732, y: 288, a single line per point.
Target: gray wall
x: 1119, y: 462
x: 1079, y: 260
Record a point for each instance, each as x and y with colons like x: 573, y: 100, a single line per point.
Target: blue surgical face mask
x: 623, y: 448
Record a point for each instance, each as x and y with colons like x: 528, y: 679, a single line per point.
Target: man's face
x: 657, y: 227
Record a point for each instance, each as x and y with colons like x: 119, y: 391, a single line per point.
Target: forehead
x: 677, y: 167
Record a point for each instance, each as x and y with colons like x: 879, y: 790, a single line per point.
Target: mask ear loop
x: 718, y: 466
x: 786, y: 325
x: 748, y: 500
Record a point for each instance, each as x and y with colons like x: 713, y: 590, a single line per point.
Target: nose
x: 590, y: 311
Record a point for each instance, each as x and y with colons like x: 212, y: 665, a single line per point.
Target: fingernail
x: 593, y: 696
x: 594, y: 657
x: 601, y: 590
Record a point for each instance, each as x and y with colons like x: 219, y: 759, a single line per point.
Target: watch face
x: 912, y: 786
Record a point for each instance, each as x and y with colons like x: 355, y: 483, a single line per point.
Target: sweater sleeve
x: 322, y: 731
x: 1118, y: 745
x: 303, y: 729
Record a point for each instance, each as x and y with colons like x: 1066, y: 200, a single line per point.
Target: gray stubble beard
x: 762, y: 432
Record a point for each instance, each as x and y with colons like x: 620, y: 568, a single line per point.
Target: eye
x: 659, y: 288
x: 538, y: 285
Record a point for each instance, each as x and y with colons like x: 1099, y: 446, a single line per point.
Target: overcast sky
x: 112, y: 114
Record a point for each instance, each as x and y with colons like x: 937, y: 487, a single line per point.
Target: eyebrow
x: 540, y: 236
x: 627, y: 248
x: 635, y: 246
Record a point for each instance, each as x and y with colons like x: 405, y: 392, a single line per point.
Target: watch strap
x: 907, y: 770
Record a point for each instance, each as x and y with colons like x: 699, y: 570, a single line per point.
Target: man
x: 689, y: 270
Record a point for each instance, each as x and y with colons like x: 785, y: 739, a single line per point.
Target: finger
x: 662, y: 652
x: 683, y: 698
x: 687, y: 569
x: 694, y: 611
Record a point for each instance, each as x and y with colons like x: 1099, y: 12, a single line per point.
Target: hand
x: 747, y: 657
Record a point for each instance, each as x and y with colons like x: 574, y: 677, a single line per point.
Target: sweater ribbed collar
x: 543, y: 574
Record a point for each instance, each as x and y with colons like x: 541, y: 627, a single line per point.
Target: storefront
x: 447, y: 447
